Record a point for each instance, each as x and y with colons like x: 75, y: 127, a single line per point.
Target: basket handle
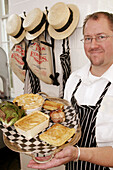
x: 40, y: 161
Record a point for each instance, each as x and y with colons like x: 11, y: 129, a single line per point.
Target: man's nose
x: 94, y: 42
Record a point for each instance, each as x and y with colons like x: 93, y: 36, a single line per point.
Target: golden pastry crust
x: 29, y: 101
x: 31, y: 120
x: 32, y: 124
x: 51, y: 105
x: 57, y: 134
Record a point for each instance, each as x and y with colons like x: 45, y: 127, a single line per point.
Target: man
x: 90, y: 91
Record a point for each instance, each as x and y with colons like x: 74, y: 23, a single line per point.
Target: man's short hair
x: 97, y: 15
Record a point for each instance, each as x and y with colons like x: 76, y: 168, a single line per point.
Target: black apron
x: 87, y: 115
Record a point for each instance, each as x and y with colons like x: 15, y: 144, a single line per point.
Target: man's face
x: 99, y: 53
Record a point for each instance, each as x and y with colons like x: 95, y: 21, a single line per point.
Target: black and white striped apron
x: 87, y: 115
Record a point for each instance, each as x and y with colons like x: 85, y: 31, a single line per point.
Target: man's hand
x: 68, y: 154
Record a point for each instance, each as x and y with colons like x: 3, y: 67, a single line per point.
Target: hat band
x: 67, y: 24
x: 38, y: 27
x: 21, y: 30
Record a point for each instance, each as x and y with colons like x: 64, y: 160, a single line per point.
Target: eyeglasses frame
x: 107, y: 36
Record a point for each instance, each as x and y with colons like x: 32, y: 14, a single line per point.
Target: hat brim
x: 61, y: 35
x: 33, y: 36
x: 19, y: 39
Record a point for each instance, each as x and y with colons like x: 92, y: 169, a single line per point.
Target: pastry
x: 29, y: 101
x: 30, y: 125
x: 57, y: 135
x: 51, y: 105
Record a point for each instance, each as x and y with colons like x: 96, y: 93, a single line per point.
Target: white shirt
x: 91, y: 87
x: 88, y: 93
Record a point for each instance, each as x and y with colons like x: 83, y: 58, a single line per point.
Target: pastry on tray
x: 30, y: 125
x: 51, y: 105
x: 29, y: 101
x: 57, y: 134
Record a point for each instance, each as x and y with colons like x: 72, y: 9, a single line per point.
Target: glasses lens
x: 98, y: 38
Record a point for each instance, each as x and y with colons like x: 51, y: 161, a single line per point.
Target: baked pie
x: 32, y: 124
x: 51, y: 105
x: 57, y: 134
x: 29, y: 101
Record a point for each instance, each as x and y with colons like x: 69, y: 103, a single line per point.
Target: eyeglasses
x: 98, y: 38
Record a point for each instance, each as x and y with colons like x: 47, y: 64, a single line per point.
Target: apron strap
x: 73, y: 99
x: 77, y: 87
x: 56, y: 74
x: 24, y: 58
x: 103, y: 94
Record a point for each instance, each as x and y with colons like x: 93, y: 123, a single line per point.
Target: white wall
x: 77, y: 53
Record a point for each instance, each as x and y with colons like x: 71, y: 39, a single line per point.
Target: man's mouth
x: 96, y: 51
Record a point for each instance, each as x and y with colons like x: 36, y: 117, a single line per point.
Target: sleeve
x: 104, y: 123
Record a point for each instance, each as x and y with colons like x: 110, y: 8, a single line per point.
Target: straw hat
x: 63, y: 20
x: 34, y: 23
x: 14, y: 28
